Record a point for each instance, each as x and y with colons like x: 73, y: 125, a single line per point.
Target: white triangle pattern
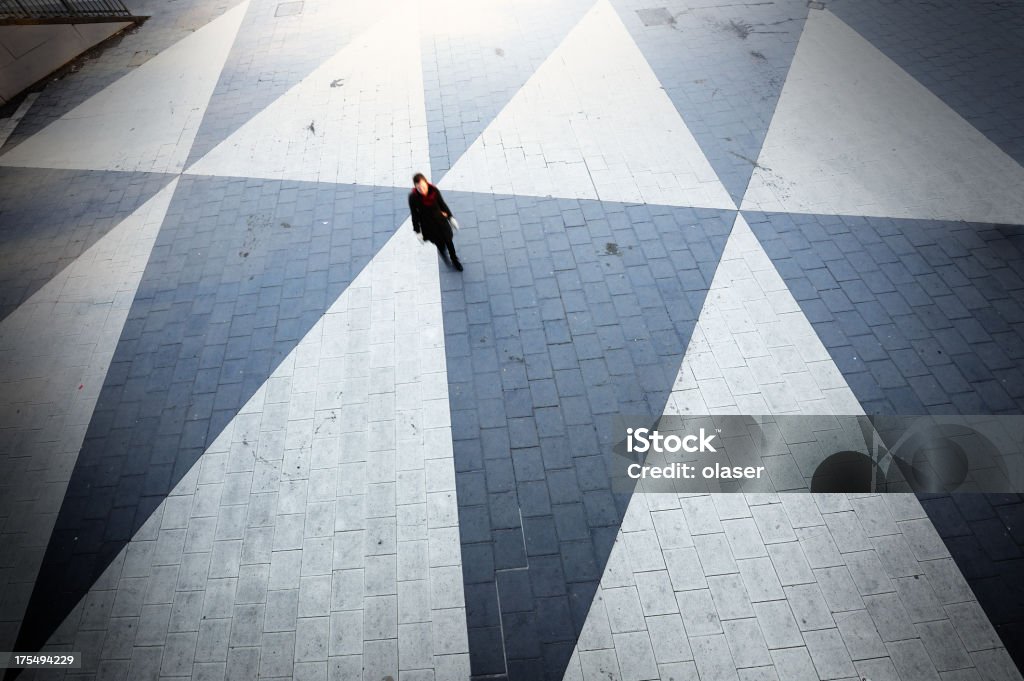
x: 359, y: 118
x: 147, y: 120
x: 753, y: 351
x: 592, y: 123
x: 55, y: 350
x: 341, y: 462
x: 854, y: 134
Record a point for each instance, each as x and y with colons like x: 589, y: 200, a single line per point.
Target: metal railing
x: 42, y: 10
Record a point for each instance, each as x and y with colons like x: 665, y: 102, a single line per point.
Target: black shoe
x: 457, y: 264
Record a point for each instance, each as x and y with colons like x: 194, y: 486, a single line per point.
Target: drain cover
x: 287, y: 9
x: 656, y: 16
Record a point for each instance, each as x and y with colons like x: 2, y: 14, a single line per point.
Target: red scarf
x: 430, y: 197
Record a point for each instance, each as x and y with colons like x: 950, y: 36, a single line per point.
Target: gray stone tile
x: 178, y: 654
x: 655, y: 591
x: 243, y: 663
x: 819, y: 547
x: 911, y: 660
x: 995, y: 664
x: 625, y: 612
x: 277, y: 655
x: 312, y: 635
x: 760, y: 579
x: 282, y: 610
x: 773, y: 523
x: 794, y: 663
x: 684, y: 569
x: 449, y: 631
x: 213, y: 641
x: 778, y: 624
x: 346, y: 633
x: 380, y: 617
x: 880, y: 668
x: 890, y: 617
x: 847, y: 532
x: 809, y: 607
x: 838, y: 588
x: 918, y: 598
x: 730, y: 596
x: 923, y: 539
x: 829, y: 654
x: 758, y: 674
x: 700, y: 617
x: 600, y: 663
x: 860, y: 635
x: 152, y: 625
x: 868, y: 573
x: 874, y: 516
x: 943, y: 645
x: 186, y: 611
x: 673, y: 532
x: 145, y: 663
x: 247, y: 625
x: 790, y: 564
x: 668, y: 638
x: 744, y: 538
x: 314, y: 596
x: 973, y: 626
x: 715, y: 555
x: 637, y: 656
x: 747, y: 643
x: 713, y: 658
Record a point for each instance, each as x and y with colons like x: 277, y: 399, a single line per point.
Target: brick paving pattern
x: 251, y: 428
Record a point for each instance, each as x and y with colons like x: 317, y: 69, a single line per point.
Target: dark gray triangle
x: 241, y: 270
x: 40, y: 236
x: 567, y: 314
x: 470, y: 75
x: 271, y: 55
x: 723, y: 68
x: 964, y: 56
x: 920, y: 316
x: 122, y: 55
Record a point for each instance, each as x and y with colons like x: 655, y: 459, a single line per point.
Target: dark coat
x: 430, y: 219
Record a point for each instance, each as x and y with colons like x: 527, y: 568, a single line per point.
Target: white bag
x: 454, y: 223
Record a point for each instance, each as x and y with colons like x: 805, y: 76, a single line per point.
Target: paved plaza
x: 251, y: 428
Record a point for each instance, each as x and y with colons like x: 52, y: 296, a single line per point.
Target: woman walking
x: 430, y: 216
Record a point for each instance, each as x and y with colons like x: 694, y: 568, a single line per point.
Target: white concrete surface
x: 854, y: 134
x: 592, y: 122
x: 146, y: 120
